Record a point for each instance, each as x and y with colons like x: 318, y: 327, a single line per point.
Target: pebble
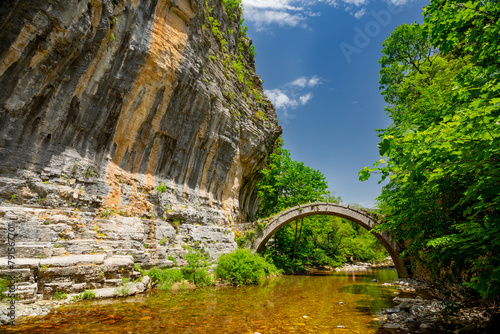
x: 427, y: 314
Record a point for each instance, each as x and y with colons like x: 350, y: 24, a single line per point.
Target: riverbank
x: 421, y: 307
x: 417, y: 310
x: 385, y: 263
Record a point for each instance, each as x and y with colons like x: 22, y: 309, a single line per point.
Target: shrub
x: 87, y: 294
x: 197, y: 269
x: 244, y: 267
x: 165, y: 278
x: 201, y: 278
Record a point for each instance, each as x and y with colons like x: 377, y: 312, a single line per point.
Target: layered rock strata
x: 127, y: 128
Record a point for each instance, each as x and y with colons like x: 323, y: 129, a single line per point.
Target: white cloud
x: 314, y: 81
x: 303, y: 82
x: 305, y: 98
x: 296, y: 13
x: 399, y: 2
x: 356, y: 3
x: 264, y: 18
x: 291, y: 13
x: 280, y: 99
x: 299, y: 82
x: 291, y: 95
x: 359, y: 14
x: 274, y: 4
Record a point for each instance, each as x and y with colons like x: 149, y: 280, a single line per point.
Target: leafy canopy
x: 442, y: 151
x: 287, y: 183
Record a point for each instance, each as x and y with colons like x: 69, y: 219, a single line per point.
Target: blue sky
x: 319, y: 63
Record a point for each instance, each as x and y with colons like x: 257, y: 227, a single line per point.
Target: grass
x: 165, y: 278
x: 60, y: 295
x: 87, y: 294
x: 122, y: 290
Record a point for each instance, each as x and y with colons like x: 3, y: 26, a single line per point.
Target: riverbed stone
x: 391, y: 310
x: 404, y: 306
x: 391, y: 326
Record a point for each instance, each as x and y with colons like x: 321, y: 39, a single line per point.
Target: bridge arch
x: 360, y: 217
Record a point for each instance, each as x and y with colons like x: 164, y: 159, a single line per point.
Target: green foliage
x: 91, y: 172
x: 239, y: 70
x: 4, y: 284
x: 247, y: 237
x: 261, y: 115
x: 171, y: 258
x: 161, y: 188
x: 60, y: 295
x: 87, y: 294
x: 252, y: 51
x: 286, y: 183
x: 244, y: 267
x: 325, y: 241
x: 165, y: 278
x: 442, y: 152
x: 233, y: 8
x: 196, y: 270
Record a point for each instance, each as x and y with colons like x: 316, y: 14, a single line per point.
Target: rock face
x: 144, y: 119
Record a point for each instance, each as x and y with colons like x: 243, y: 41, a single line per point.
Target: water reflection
x: 288, y: 304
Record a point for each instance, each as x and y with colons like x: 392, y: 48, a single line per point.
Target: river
x: 341, y: 302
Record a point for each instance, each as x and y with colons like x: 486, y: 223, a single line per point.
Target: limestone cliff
x: 127, y: 127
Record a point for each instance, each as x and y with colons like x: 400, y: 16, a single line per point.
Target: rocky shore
x: 422, y: 308
x: 417, y: 311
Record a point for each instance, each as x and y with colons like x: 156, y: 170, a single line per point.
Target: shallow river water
x: 342, y: 302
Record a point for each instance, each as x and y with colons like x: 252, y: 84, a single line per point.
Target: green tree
x: 287, y: 183
x: 442, y: 152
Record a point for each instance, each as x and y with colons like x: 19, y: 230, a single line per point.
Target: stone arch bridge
x: 360, y: 217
